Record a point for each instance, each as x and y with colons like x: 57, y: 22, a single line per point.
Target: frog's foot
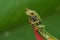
x: 41, y: 26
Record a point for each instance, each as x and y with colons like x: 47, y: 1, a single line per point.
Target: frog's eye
x: 32, y: 13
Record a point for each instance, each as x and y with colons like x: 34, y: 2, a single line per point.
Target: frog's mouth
x: 27, y: 11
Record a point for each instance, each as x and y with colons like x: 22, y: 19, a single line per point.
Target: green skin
x: 44, y: 33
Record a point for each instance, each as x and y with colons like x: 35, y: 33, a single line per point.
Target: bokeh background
x: 14, y: 22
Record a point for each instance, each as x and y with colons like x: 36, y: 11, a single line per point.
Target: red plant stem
x: 38, y: 37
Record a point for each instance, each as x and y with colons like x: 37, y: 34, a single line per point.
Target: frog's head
x: 29, y: 12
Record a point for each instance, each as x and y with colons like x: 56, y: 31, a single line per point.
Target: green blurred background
x: 14, y: 23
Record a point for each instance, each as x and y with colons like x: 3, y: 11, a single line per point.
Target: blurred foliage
x: 12, y: 11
